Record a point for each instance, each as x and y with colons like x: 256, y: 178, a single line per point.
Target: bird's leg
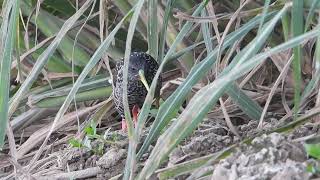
x: 123, y: 125
x: 135, y: 113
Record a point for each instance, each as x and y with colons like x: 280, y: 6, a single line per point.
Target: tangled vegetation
x: 240, y: 82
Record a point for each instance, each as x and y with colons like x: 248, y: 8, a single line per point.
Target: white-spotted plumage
x: 136, y: 90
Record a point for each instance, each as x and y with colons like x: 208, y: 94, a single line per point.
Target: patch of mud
x: 269, y: 157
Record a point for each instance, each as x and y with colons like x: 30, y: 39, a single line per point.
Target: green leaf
x: 89, y: 131
x: 75, y: 143
x: 313, y: 150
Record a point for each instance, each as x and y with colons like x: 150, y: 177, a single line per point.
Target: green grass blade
x: 180, y: 53
x: 245, y: 103
x: 192, y: 165
x: 8, y: 39
x: 163, y: 32
x: 44, y: 88
x: 206, y: 32
x: 55, y: 62
x: 297, y: 29
x: 250, y: 107
x: 131, y: 158
x: 44, y: 57
x: 264, y: 12
x: 186, y: 27
x: 57, y: 101
x: 285, y: 21
x: 312, y: 9
x: 316, y: 77
x: 88, y: 84
x: 153, y: 28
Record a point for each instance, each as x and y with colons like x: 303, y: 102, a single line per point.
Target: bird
x: 141, y: 66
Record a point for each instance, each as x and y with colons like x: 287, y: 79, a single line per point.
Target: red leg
x: 135, y: 112
x: 123, y: 125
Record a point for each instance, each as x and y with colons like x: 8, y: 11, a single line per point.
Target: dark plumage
x: 136, y: 90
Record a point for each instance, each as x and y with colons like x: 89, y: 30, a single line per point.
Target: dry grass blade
x: 273, y: 89
x: 227, y: 118
x: 85, y: 173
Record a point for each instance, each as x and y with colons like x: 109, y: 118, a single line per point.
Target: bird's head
x: 139, y: 66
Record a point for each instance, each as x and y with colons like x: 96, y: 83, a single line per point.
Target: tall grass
x: 182, y: 36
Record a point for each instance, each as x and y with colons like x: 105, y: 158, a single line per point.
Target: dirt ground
x: 274, y: 156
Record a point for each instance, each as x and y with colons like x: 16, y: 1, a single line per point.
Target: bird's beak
x: 142, y: 78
